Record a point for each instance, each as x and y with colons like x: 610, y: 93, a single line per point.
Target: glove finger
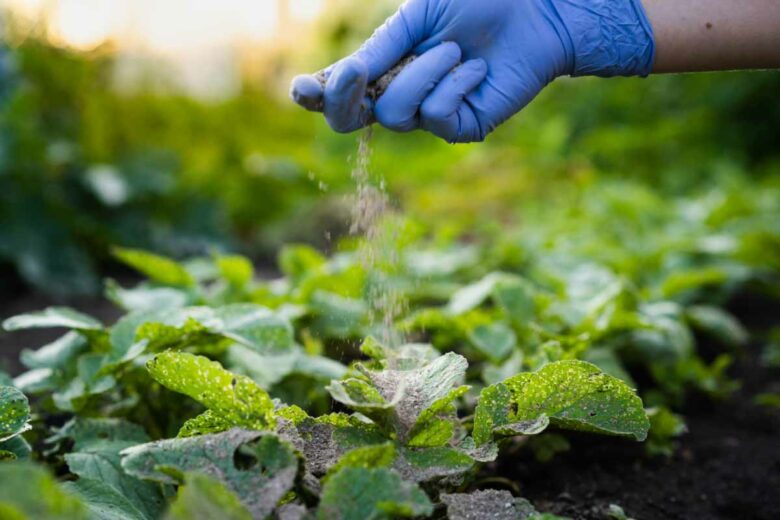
x: 394, y: 39
x: 439, y: 111
x: 308, y: 92
x: 346, y: 106
x: 398, y: 107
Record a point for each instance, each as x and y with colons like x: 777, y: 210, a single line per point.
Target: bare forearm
x: 702, y: 35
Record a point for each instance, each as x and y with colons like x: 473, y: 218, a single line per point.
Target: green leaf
x: 666, y: 338
x: 577, y: 395
x: 493, y: 409
x: 52, y: 317
x: 377, y: 493
x: 58, y: 355
x: 359, y: 395
x: 717, y: 324
x: 298, y: 261
x: 259, y: 468
x: 235, y: 269
x: 204, y: 498
x: 103, y: 501
x: 234, y: 398
x: 496, y: 341
x: 15, y: 448
x: 28, y: 491
x: 158, y: 268
x: 14, y: 413
x: 427, y: 464
x: 145, y: 297
x: 90, y: 382
x: 95, y: 456
x: 207, y: 422
x: 374, y: 456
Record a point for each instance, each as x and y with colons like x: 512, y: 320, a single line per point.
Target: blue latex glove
x: 479, y: 62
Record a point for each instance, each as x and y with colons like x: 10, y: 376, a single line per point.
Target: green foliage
x: 203, y: 498
x: 30, y: 493
x: 568, y: 394
x: 378, y: 493
x: 155, y: 267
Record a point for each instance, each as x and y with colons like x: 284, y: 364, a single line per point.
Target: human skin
x: 709, y: 35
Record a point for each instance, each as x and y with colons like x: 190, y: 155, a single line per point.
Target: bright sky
x: 167, y: 25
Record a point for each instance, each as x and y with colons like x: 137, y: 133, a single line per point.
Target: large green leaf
x: 52, y: 317
x: 103, y: 484
x: 204, y: 498
x: 155, y: 267
x: 234, y: 398
x: 29, y: 492
x: 57, y: 355
x: 577, y: 395
x: 103, y: 501
x: 259, y: 468
x: 569, y: 394
x: 370, y: 494
x: 14, y: 413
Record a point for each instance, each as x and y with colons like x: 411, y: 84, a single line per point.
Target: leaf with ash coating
x: 235, y: 399
x: 53, y: 317
x: 371, y: 494
x: 259, y: 468
x: 95, y: 457
x: 204, y: 498
x: 413, y: 392
x: 155, y: 267
x: 576, y: 395
x: 493, y: 504
x: 326, y: 439
x: 14, y: 413
x: 29, y: 491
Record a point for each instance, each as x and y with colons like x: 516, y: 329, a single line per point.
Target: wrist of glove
x: 606, y: 37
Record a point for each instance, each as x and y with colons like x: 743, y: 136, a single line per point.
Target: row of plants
x: 297, y: 407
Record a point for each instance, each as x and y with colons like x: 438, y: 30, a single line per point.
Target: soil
x: 727, y: 465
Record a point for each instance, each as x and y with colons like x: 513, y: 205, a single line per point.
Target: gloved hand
x: 478, y: 62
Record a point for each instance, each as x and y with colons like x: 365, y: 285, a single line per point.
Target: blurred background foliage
x: 87, y: 161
